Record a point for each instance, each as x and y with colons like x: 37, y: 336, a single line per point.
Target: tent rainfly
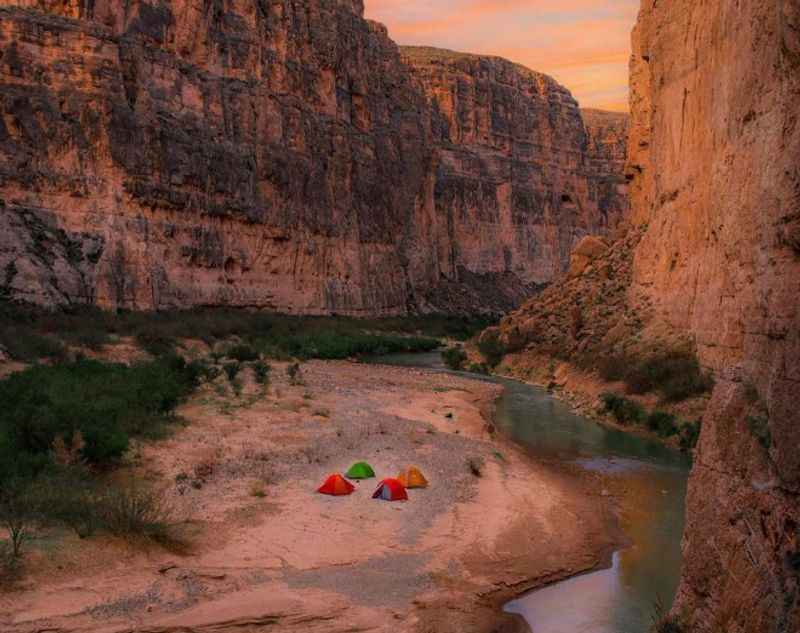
x: 391, y: 490
x: 360, y: 470
x: 412, y: 477
x: 336, y: 485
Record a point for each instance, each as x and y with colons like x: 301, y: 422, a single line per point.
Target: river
x: 619, y: 599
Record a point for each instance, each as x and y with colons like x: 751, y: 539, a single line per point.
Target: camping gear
x: 360, y: 470
x: 412, y: 477
x: 336, y: 485
x: 391, y: 490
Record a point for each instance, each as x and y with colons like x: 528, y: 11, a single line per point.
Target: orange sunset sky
x: 584, y: 44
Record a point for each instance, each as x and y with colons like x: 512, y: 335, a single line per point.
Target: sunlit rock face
x: 276, y: 155
x: 520, y: 177
x: 715, y: 169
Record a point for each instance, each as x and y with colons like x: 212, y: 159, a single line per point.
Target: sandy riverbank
x: 443, y: 561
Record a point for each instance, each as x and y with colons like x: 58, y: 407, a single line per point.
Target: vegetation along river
x: 622, y: 598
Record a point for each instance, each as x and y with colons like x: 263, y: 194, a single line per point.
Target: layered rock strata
x: 520, y: 178
x: 277, y: 155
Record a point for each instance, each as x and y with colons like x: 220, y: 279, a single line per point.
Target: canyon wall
x: 277, y: 155
x: 715, y: 168
x: 710, y: 258
x: 520, y: 178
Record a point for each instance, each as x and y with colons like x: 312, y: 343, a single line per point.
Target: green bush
x: 454, y: 358
x: 479, y: 368
x: 232, y: 370
x: 156, y: 343
x: 662, y: 423
x: 261, y: 370
x: 492, y: 349
x: 624, y: 410
x: 27, y: 346
x: 107, y: 403
x: 677, y: 375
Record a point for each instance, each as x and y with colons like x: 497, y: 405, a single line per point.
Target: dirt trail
x: 267, y: 550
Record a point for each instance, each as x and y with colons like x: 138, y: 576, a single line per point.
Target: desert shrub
x: 662, y: 423
x: 27, y: 346
x: 134, y: 509
x: 232, y: 370
x: 475, y: 466
x: 201, y: 370
x: 454, y: 358
x: 295, y: 374
x: 19, y: 512
x: 759, y: 427
x: 613, y: 368
x: 624, y: 410
x: 242, y: 352
x: 156, y: 343
x: 689, y: 434
x: 478, y: 368
x: 677, y: 375
x: 491, y: 348
x: 107, y: 403
x: 261, y: 370
x: 70, y: 497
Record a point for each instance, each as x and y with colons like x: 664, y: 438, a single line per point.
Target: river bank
x: 264, y: 548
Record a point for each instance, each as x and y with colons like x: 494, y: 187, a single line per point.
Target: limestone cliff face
x: 179, y: 154
x: 269, y: 154
x: 712, y: 256
x: 519, y: 177
x: 715, y: 156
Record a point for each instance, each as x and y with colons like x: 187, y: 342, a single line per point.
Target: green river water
x: 619, y: 599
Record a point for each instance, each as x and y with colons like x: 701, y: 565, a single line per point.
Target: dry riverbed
x: 265, y: 549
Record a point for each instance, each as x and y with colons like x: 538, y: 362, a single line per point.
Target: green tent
x: 360, y: 470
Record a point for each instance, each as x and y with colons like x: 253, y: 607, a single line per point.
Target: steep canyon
x: 282, y: 155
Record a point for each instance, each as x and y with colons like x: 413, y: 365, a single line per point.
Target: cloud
x: 584, y: 44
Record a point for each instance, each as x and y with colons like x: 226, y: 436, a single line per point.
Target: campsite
x: 262, y: 545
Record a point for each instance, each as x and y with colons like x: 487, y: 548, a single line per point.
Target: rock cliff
x: 272, y: 154
x: 710, y: 257
x: 715, y: 161
x: 520, y: 178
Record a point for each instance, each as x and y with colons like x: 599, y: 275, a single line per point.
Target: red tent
x: 336, y: 485
x: 391, y: 490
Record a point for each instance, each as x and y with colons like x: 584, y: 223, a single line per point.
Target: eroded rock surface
x: 520, y: 178
x: 711, y: 255
x: 268, y: 154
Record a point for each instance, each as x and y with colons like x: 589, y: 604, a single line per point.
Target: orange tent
x: 412, y: 477
x: 336, y: 485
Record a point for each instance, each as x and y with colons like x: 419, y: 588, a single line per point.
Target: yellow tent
x: 412, y: 477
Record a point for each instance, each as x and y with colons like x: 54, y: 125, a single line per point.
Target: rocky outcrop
x: 710, y: 256
x: 276, y: 155
x: 519, y: 177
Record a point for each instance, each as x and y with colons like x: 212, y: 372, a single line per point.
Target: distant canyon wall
x: 280, y: 155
